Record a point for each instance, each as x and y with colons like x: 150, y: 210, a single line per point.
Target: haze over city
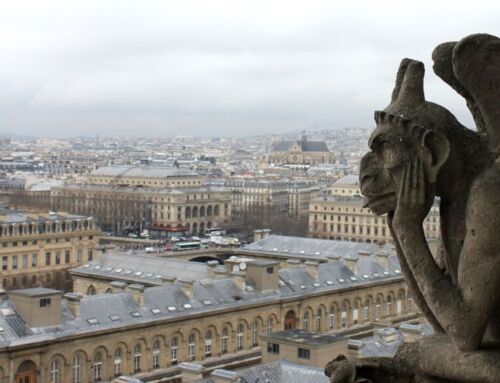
x: 216, y: 68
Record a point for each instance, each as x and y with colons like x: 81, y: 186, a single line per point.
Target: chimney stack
x: 118, y: 286
x: 239, y: 279
x: 191, y: 372
x: 355, y: 347
x: 383, y: 259
x: 352, y: 263
x: 137, y: 293
x: 73, y: 303
x: 293, y: 263
x: 333, y: 258
x: 312, y: 268
x: 224, y: 376
x: 186, y: 287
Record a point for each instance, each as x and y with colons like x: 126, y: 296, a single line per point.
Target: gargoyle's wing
x: 476, y: 65
x: 443, y: 67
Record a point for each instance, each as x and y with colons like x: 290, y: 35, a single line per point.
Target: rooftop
x: 143, y: 171
x: 303, y: 337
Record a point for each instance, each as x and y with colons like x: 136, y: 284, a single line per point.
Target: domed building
x: 300, y: 152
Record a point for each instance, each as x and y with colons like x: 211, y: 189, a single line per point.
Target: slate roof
x: 280, y: 372
x: 142, y: 268
x: 20, y: 216
x: 352, y: 179
x: 143, y: 171
x: 303, y: 337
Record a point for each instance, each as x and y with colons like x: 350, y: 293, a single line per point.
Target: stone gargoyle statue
x: 418, y: 151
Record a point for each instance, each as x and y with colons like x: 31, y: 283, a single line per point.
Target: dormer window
x: 45, y: 302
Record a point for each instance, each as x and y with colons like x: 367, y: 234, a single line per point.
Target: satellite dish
x: 243, y: 266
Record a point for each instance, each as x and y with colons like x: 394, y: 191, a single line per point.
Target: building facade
x: 38, y: 249
x: 131, y: 198
x: 300, y: 152
x: 344, y: 218
x: 147, y: 332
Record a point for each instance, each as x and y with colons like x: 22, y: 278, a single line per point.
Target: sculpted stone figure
x: 418, y: 151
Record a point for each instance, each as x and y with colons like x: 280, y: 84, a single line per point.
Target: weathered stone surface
x: 419, y: 151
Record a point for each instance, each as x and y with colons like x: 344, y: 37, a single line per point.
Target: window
x: 192, y: 347
x: 343, y: 316
x: 305, y: 321
x: 319, y: 320
x: 5, y: 261
x: 79, y: 253
x: 90, y: 255
x: 14, y: 262
x: 44, y: 302
x: 173, y: 350
x: 118, y: 362
x: 156, y: 354
x: 388, y: 305
x: 47, y: 259
x: 54, y: 372
x: 255, y: 329
x: 67, y: 256
x: 270, y: 325
x: 77, y: 378
x: 378, y: 312
x: 367, y: 310
x: 97, y: 367
x: 303, y: 353
x: 58, y: 257
x: 208, y: 343
x: 331, y: 318
x: 137, y: 358
x: 24, y: 262
x: 224, y: 338
x: 239, y: 336
x: 273, y: 348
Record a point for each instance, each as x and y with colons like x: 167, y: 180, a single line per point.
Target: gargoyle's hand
x: 411, y: 208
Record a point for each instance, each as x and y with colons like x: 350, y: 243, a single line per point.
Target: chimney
x: 383, y: 259
x: 73, y: 303
x: 387, y: 334
x: 352, y: 263
x: 224, y: 376
x: 293, y: 263
x: 364, y: 253
x: 312, y: 268
x: 118, y: 286
x: 355, y: 348
x: 239, y: 279
x: 137, y: 291
x: 186, y: 287
x: 264, y: 274
x: 167, y: 280
x: 191, y: 372
x: 333, y: 258
x: 411, y: 332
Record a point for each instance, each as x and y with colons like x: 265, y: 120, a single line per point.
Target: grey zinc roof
x: 321, y: 248
x: 142, y: 268
x: 143, y: 171
x: 352, y: 179
x: 304, y: 337
x: 19, y: 216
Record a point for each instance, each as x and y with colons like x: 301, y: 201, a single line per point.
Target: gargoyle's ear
x: 435, y: 149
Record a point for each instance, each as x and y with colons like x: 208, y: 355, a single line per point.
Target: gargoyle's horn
x: 399, y: 78
x: 411, y: 93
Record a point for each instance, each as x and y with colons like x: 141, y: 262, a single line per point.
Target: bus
x: 187, y: 246
x: 214, y: 231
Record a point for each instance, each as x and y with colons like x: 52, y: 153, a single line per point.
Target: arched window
x: 343, y: 315
x: 174, y: 347
x: 77, y: 370
x: 255, y: 333
x: 192, y: 347
x: 208, y: 343
x: 409, y: 301
x: 137, y: 357
x: 270, y: 325
x: 118, y: 361
x: 399, y: 302
x: 156, y: 354
x: 91, y: 290
x: 366, y: 310
x: 239, y: 336
x: 319, y: 320
x: 378, y: 308
x: 305, y: 321
x: 331, y: 318
x: 388, y: 305
x: 97, y: 367
x: 355, y: 313
x: 55, y: 376
x: 224, y: 340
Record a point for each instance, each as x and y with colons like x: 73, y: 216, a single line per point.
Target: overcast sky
x: 228, y: 68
